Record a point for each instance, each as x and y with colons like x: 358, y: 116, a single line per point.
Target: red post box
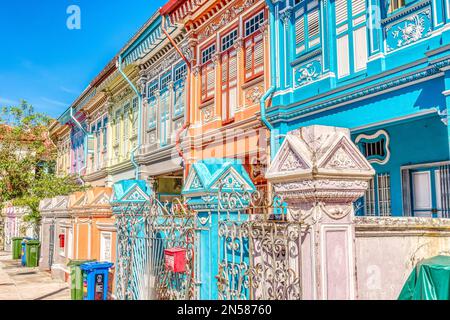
x: 175, y: 259
x: 61, y: 241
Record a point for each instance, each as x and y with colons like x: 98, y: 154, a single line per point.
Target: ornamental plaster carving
x: 166, y: 63
x: 196, y: 70
x: 225, y: 18
x: 238, y: 44
x: 321, y: 168
x: 143, y: 84
x: 254, y: 95
x: 292, y: 162
x: 208, y: 113
x: 409, y: 30
x: 188, y: 52
x: 124, y: 94
x: 401, y: 222
x: 308, y: 73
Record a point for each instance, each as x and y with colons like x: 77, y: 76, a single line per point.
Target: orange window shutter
x: 248, y: 58
x: 210, y: 81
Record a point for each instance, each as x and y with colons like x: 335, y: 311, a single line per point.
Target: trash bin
x: 32, y: 253
x: 17, y: 248
x: 95, y: 280
x: 76, y: 278
x: 23, y: 252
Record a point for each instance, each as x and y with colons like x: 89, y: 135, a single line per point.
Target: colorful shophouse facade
x: 228, y: 53
x: 379, y: 68
x: 155, y: 52
x: 207, y: 92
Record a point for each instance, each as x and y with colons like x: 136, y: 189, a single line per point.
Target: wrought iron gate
x: 259, y: 248
x: 144, y: 232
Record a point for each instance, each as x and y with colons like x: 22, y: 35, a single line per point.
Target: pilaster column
x: 375, y: 63
x: 286, y: 51
x: 320, y: 173
x: 157, y: 116
x: 238, y: 46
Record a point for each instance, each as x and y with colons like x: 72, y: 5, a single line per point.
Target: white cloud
x: 68, y: 90
x: 54, y: 102
x: 6, y: 101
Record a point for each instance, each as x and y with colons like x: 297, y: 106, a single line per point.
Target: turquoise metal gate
x: 259, y: 248
x: 146, y: 231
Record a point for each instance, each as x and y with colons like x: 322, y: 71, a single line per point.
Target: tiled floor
x: 19, y: 283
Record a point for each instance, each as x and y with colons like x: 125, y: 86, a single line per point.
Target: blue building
x: 381, y: 69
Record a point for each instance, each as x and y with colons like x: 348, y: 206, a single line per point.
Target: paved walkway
x: 19, y: 283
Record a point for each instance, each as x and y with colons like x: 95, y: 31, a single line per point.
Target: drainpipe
x: 133, y: 152
x: 188, y: 87
x: 271, y: 90
x: 85, y: 145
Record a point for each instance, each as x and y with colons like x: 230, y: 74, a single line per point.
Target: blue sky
x: 45, y: 63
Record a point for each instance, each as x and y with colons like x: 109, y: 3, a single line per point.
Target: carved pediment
x: 292, y: 162
x: 344, y: 155
x: 232, y: 180
x: 60, y: 203
x: 135, y: 194
x: 131, y: 191
x: 193, y: 181
x: 293, y: 157
x: 320, y: 163
x: 210, y: 175
x: 45, y: 204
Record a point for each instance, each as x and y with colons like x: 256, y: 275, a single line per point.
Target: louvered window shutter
x: 341, y: 11
x: 204, y: 88
x: 248, y: 58
x: 224, y: 71
x: 210, y: 80
x: 300, y: 34
x: 259, y: 54
x: 313, y: 28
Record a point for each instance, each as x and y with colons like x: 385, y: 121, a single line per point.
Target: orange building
x: 228, y: 51
x: 93, y: 226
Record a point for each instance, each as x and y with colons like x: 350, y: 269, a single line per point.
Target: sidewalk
x: 19, y: 283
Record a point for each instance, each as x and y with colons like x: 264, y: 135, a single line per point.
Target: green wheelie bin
x: 76, y: 278
x: 17, y: 248
x: 33, y: 249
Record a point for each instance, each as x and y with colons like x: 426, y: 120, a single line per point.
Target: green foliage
x: 24, y: 147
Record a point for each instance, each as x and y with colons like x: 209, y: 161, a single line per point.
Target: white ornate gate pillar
x: 320, y: 173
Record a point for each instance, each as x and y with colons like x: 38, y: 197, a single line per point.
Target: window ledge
x: 178, y: 116
x: 401, y: 12
x: 206, y: 104
x: 306, y: 56
x: 252, y: 82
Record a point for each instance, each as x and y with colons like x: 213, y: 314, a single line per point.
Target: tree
x: 27, y: 155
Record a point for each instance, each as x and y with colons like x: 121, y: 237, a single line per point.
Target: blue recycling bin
x: 24, y: 251
x: 95, y: 280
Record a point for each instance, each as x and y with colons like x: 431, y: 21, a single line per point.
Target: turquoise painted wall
x: 417, y: 140
x: 414, y: 142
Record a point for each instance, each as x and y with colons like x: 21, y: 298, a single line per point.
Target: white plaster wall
x: 385, y: 258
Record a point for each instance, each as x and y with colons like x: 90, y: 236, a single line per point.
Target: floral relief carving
x: 254, y: 95
x: 227, y: 16
x: 341, y: 160
x: 208, y: 113
x: 308, y: 73
x: 409, y: 30
x: 292, y: 162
